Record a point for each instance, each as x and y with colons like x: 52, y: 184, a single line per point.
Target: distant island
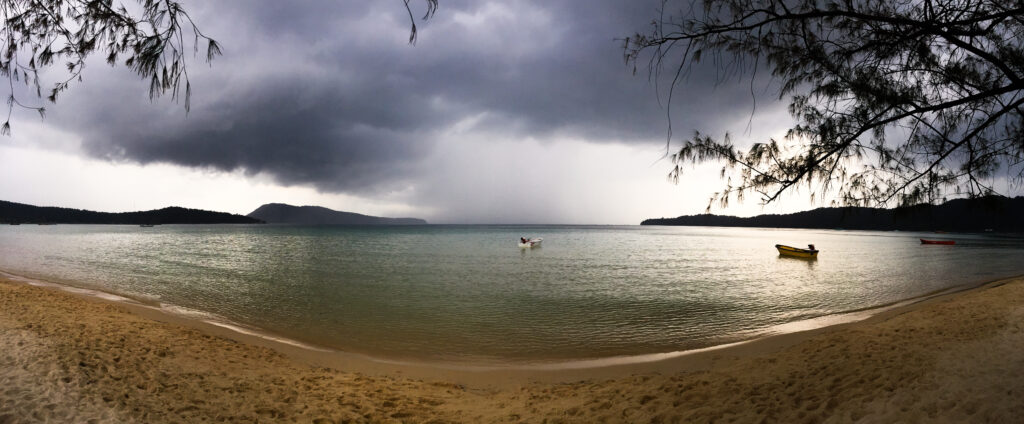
x: 994, y: 213
x: 20, y: 213
x: 280, y: 213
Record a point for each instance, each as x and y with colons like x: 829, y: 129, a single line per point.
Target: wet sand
x: 69, y: 358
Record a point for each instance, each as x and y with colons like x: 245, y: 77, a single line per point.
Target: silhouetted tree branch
x: 153, y: 40
x: 901, y: 101
x: 431, y: 8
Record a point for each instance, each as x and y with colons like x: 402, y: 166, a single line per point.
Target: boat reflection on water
x: 810, y: 261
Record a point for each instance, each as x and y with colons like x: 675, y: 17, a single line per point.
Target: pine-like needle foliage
x: 155, y: 40
x: 900, y: 101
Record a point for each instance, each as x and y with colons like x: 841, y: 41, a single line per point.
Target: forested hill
x: 17, y: 213
x: 275, y: 213
x: 963, y: 215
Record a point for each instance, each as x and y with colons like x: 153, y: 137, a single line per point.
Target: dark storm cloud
x: 329, y: 94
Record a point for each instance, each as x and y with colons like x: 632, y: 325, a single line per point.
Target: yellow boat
x: 796, y: 252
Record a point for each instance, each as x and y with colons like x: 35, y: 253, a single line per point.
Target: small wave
x: 187, y: 312
x: 154, y: 303
x: 87, y: 292
x: 263, y: 335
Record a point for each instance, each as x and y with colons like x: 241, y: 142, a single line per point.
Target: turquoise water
x: 469, y: 294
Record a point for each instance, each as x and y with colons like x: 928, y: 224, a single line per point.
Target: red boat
x: 923, y: 241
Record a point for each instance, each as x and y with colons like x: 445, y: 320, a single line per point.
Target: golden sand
x: 69, y: 358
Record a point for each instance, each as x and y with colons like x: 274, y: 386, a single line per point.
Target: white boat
x: 531, y: 243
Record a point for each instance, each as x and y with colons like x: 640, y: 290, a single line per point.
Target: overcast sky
x: 503, y: 112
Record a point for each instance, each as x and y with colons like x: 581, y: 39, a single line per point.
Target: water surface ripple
x: 468, y: 293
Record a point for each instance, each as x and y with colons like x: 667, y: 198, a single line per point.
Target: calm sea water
x: 469, y: 294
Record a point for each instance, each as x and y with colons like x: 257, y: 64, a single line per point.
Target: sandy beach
x: 69, y: 358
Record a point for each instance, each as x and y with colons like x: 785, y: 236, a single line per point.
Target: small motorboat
x: 946, y: 242
x: 530, y: 243
x: 797, y: 252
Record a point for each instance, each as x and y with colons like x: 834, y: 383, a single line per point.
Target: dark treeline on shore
x: 18, y: 213
x: 994, y: 213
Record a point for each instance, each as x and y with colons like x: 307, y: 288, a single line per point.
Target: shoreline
x: 318, y: 355
x: 954, y: 356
